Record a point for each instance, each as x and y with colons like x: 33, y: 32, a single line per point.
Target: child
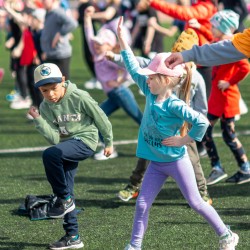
x: 223, y: 104
x: 198, y: 100
x: 109, y: 74
x: 69, y: 119
x: 160, y: 142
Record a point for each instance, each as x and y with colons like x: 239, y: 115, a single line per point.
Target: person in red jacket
x: 223, y: 104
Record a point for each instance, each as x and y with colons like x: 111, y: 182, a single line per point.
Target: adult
x: 222, y: 52
x: 55, y: 36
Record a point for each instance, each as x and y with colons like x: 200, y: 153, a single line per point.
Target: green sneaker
x: 207, y: 199
x: 128, y: 192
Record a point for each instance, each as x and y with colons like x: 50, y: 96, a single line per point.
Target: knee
x: 51, y: 153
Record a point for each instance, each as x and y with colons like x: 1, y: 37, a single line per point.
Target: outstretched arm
x: 207, y: 55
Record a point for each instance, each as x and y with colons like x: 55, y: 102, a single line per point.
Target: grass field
x: 106, y: 222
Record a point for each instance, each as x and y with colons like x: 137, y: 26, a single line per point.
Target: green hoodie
x: 77, y: 115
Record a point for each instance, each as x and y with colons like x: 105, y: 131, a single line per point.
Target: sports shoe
x: 217, y: 174
x: 61, y: 208
x: 239, y: 178
x: 129, y: 192
x: 228, y: 241
x: 130, y: 247
x: 92, y: 84
x: 101, y: 157
x: 207, y: 199
x: 21, y: 103
x: 67, y: 242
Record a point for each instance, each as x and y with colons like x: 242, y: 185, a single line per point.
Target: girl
x: 109, y: 74
x: 160, y: 142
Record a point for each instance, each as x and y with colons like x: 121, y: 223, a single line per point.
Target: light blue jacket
x: 162, y: 119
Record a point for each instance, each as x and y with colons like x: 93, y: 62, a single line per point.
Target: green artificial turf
x: 106, y: 222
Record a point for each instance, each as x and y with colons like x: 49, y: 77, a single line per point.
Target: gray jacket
x: 57, y: 21
x: 222, y: 52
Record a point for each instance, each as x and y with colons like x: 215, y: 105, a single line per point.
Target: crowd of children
x: 185, y: 93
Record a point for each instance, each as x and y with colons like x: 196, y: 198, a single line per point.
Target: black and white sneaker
x: 67, y: 242
x: 60, y: 208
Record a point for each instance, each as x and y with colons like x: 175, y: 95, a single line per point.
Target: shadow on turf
x: 4, y: 245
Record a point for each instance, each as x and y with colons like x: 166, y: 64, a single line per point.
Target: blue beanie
x: 226, y: 21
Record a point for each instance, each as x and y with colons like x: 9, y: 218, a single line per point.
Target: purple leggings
x: 182, y: 172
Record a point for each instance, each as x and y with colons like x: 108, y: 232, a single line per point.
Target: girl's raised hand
x: 119, y: 27
x: 120, y: 34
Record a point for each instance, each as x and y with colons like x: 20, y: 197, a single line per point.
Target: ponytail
x: 185, y: 93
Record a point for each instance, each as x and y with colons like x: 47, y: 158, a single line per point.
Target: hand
x: 108, y: 151
x: 223, y: 85
x: 173, y: 60
x: 113, y: 84
x: 33, y: 112
x: 173, y: 141
x: 152, y: 22
x: 110, y: 55
x: 121, y: 36
x: 56, y: 39
x: 194, y: 23
x: 143, y: 5
x: 89, y: 11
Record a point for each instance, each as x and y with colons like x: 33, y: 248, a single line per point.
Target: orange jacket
x: 241, y: 42
x: 227, y: 102
x: 202, y: 11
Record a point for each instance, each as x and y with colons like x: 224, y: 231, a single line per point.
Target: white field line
x: 124, y: 142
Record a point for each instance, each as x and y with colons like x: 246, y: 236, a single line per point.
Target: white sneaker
x: 129, y: 247
x: 92, y: 84
x: 101, y: 157
x: 21, y: 103
x: 229, y: 241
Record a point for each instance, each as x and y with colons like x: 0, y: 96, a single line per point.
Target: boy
x: 69, y: 119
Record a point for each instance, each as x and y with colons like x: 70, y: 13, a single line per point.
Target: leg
x: 151, y: 186
x: 132, y: 189
x: 125, y: 99
x: 54, y: 159
x: 138, y: 172
x: 198, y: 171
x: 209, y: 142
x: 217, y: 174
x: 184, y: 176
x: 230, y: 138
x: 70, y: 224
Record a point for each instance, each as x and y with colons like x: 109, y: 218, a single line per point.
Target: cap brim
x: 97, y: 40
x: 48, y: 81
x: 146, y: 72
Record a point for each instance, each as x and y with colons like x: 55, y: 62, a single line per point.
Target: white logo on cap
x: 45, y: 71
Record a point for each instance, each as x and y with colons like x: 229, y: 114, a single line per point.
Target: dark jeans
x: 61, y: 162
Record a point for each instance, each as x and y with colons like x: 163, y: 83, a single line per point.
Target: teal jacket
x: 77, y: 115
x: 162, y: 120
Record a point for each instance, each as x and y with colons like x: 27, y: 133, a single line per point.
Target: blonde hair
x: 184, y: 90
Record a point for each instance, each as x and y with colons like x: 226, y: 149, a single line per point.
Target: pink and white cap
x: 158, y: 66
x: 105, y: 36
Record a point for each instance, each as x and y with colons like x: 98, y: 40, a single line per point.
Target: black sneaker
x: 67, y: 242
x: 239, y: 178
x: 60, y: 208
